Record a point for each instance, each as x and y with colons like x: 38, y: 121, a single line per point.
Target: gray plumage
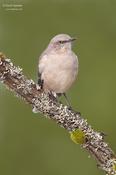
x: 58, y: 64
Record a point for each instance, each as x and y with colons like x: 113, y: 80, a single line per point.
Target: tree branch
x: 81, y: 132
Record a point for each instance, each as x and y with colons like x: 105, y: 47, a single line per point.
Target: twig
x: 81, y: 132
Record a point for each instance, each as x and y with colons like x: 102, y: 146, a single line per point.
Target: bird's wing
x: 42, y: 63
x: 41, y: 67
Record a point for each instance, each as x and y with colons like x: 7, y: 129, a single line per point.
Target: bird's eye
x: 61, y: 42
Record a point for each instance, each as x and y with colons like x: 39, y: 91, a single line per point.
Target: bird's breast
x: 60, y: 72
x: 62, y: 62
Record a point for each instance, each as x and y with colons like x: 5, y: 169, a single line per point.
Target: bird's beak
x: 73, y: 39
x: 69, y: 40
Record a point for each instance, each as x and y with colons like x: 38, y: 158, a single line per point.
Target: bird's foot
x: 53, y: 96
x: 70, y: 107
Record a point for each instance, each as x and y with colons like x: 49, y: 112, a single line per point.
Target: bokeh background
x: 29, y: 143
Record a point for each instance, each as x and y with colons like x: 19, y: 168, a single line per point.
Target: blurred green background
x: 29, y: 143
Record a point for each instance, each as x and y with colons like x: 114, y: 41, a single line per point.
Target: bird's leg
x: 53, y: 96
x: 67, y: 101
x: 59, y: 95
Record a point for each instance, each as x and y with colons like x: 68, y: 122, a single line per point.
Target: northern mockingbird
x: 58, y: 65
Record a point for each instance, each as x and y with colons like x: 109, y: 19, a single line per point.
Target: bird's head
x: 61, y: 43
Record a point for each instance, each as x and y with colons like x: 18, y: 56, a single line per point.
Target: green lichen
x: 114, y: 167
x: 77, y: 136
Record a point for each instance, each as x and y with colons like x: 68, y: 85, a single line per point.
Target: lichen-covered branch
x: 81, y: 132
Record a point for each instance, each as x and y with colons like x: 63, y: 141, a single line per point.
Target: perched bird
x: 58, y: 65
